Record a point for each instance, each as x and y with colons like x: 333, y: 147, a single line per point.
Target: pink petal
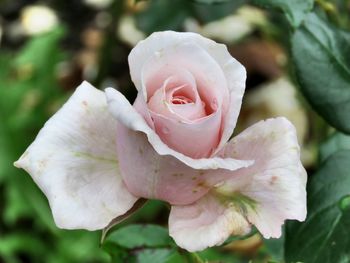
x: 276, y: 181
x: 207, y: 87
x: 152, y: 170
x: 264, y: 194
x: 122, y: 110
x: 195, y: 139
x: 176, y: 89
x: 205, y: 223
x: 73, y: 160
x: 208, y: 75
x: 160, y: 48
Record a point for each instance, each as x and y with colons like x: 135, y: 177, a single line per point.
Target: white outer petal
x: 73, y: 160
x: 205, y: 223
x: 276, y: 181
x: 122, y: 110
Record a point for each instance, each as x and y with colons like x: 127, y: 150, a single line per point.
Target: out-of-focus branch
x: 110, y: 41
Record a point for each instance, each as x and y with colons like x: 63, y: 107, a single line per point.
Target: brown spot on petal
x: 177, y: 174
x: 84, y: 102
x: 273, y: 179
x: 201, y: 184
x: 42, y: 163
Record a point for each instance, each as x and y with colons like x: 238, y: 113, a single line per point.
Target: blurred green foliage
x: 160, y: 15
x: 29, y: 94
x: 324, y: 236
x: 327, y: 51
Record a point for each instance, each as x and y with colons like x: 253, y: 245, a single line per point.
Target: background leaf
x: 133, y: 236
x: 338, y: 141
x: 324, y: 237
x: 207, y: 13
x: 295, y: 10
x: 163, y: 15
x: 161, y: 255
x: 212, y: 1
x: 170, y: 15
x: 321, y: 54
x: 142, y: 244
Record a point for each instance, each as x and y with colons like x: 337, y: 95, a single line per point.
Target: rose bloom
x: 99, y: 154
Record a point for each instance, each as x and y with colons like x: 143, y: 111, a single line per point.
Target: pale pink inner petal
x: 141, y: 107
x: 124, y: 112
x: 196, y: 140
x: 186, y: 103
x: 208, y: 76
x: 179, y: 114
x: 150, y: 175
x: 178, y: 98
x: 187, y: 97
x: 232, y: 70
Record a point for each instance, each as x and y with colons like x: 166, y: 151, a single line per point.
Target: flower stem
x: 196, y: 258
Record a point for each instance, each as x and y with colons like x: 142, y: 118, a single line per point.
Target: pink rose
x: 95, y: 157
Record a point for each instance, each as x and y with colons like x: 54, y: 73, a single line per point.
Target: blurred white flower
x: 128, y: 31
x: 230, y: 28
x: 277, y: 98
x: 98, y: 4
x: 36, y: 19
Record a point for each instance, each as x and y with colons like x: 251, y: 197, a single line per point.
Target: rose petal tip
x: 109, y: 92
x: 17, y: 164
x: 20, y: 163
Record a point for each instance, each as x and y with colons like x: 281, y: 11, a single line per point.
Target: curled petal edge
x: 123, y: 111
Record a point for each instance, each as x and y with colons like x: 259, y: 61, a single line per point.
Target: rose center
x: 182, y: 96
x: 181, y: 100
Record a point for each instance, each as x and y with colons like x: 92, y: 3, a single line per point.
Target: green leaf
x: 163, y: 15
x: 295, y: 10
x: 212, y: 1
x: 139, y: 203
x: 135, y: 236
x: 117, y: 254
x: 36, y: 50
x: 141, y: 244
x: 160, y: 255
x: 215, y: 255
x: 338, y: 141
x: 321, y: 54
x: 19, y: 242
x: 235, y: 238
x: 205, y: 13
x: 324, y: 237
x: 77, y: 246
x: 275, y: 248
